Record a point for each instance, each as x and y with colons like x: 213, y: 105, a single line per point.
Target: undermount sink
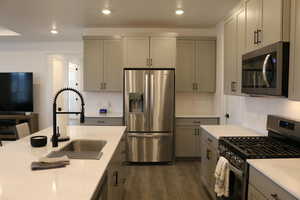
x: 81, y: 149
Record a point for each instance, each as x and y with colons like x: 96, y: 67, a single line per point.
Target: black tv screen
x: 16, y: 92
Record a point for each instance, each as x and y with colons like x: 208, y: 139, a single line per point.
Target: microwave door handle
x: 264, y: 70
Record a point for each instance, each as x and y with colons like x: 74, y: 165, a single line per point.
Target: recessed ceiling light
x: 106, y: 11
x: 54, y: 31
x: 179, y: 12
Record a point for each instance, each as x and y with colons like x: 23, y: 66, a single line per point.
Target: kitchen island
x: 79, y: 180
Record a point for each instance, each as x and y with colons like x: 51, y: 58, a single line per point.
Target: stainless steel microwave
x: 266, y: 71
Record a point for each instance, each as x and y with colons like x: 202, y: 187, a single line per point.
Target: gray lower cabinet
x: 209, y: 159
x: 102, y: 189
x: 117, y: 173
x: 188, y: 136
x: 262, y: 188
x: 111, y: 186
x: 103, y: 121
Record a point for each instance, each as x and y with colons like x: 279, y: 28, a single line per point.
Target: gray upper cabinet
x: 230, y: 56
x: 136, y: 51
x: 162, y: 52
x: 113, y: 65
x: 206, y: 66
x: 149, y: 52
x: 196, y: 65
x: 186, y: 66
x: 103, y: 65
x: 267, y: 22
x: 294, y: 84
x: 234, y: 48
x: 93, y: 65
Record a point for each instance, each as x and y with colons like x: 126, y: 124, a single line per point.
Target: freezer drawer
x: 150, y: 147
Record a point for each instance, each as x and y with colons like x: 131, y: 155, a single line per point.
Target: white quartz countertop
x: 78, y: 180
x: 196, y: 116
x: 108, y: 115
x: 218, y: 131
x: 283, y: 172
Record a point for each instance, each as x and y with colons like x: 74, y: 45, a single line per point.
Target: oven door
x: 265, y: 71
x: 237, y: 184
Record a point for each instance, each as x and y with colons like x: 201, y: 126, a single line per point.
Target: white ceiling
x: 34, y: 18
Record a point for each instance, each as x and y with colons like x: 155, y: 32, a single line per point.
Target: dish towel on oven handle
x: 222, y: 177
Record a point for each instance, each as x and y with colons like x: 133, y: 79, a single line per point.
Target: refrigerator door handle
x: 148, y: 135
x: 152, y: 96
x: 146, y: 101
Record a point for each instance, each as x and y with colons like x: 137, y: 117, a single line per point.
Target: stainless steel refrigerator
x: 149, y: 114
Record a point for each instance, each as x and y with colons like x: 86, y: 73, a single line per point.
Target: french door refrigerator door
x: 162, y: 97
x: 136, y: 100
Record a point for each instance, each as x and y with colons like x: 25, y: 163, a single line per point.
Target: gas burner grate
x: 262, y: 147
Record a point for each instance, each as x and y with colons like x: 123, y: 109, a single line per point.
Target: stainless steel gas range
x: 283, y: 141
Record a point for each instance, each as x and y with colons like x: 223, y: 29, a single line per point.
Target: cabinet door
x: 136, y: 51
x: 204, y: 160
x: 272, y: 21
x: 214, y: 156
x: 294, y: 84
x: 163, y: 52
x: 93, y: 64
x: 206, y: 66
x: 198, y: 143
x: 185, y: 66
x: 241, y: 43
x: 113, y: 65
x: 230, y: 46
x: 253, y: 23
x: 253, y: 194
x: 185, y: 141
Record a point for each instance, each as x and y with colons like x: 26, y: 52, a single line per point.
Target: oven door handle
x: 236, y: 171
x: 264, y: 70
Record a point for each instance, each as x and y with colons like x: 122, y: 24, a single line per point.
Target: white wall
x: 252, y: 112
x: 34, y: 57
x: 195, y: 104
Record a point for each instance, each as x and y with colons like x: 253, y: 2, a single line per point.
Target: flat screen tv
x: 16, y: 92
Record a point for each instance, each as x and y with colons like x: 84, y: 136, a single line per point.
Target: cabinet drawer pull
x: 258, y: 38
x: 194, y: 86
x: 197, y: 122
x: 275, y: 196
x: 255, y: 37
x: 100, y: 121
x: 208, y: 153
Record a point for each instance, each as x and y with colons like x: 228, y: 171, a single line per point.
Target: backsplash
x: 195, y: 103
x: 186, y: 103
x: 96, y: 100
x: 252, y: 112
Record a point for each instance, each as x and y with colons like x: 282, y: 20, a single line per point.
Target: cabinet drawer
x: 209, y: 139
x: 196, y: 121
x: 103, y: 121
x: 267, y: 187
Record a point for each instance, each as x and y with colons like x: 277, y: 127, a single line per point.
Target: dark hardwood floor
x: 180, y: 181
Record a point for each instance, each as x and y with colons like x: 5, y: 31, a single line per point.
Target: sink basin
x: 81, y: 149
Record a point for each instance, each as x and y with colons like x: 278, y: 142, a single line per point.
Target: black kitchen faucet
x: 55, y: 137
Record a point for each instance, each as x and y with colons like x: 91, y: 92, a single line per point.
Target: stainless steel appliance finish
x: 149, y: 114
x: 265, y: 71
x: 283, y: 141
